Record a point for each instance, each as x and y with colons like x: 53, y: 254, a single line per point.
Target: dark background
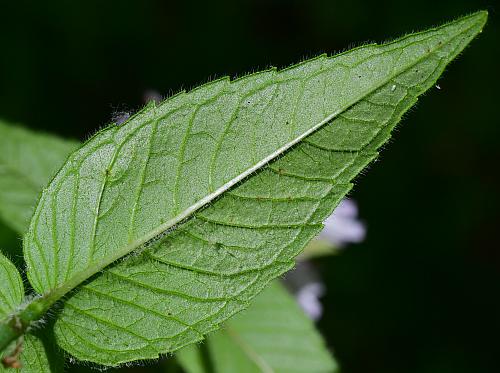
x: 421, y: 294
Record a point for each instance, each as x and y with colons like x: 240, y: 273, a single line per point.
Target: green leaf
x: 273, y: 335
x: 234, y: 177
x: 33, y: 357
x: 28, y: 161
x: 12, y: 290
x: 191, y: 360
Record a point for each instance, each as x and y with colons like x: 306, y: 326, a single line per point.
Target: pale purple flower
x: 308, y: 298
x: 152, y: 95
x: 120, y: 117
x: 343, y: 226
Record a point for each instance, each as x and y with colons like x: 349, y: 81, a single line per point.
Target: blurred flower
x: 308, y: 299
x: 343, y: 226
x: 152, y: 95
x: 120, y: 117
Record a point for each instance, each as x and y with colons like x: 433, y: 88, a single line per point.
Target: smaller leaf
x: 274, y: 335
x: 12, y: 290
x: 32, y: 357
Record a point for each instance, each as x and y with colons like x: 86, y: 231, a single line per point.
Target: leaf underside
x: 296, y: 138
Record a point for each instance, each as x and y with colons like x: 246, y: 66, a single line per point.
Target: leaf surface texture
x: 230, y: 180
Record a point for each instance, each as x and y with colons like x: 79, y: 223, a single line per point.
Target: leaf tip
x: 481, y: 17
x: 477, y: 19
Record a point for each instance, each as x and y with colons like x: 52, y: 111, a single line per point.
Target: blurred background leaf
x: 28, y: 161
x: 420, y: 294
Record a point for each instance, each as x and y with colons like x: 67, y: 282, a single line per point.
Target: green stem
x: 17, y: 324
